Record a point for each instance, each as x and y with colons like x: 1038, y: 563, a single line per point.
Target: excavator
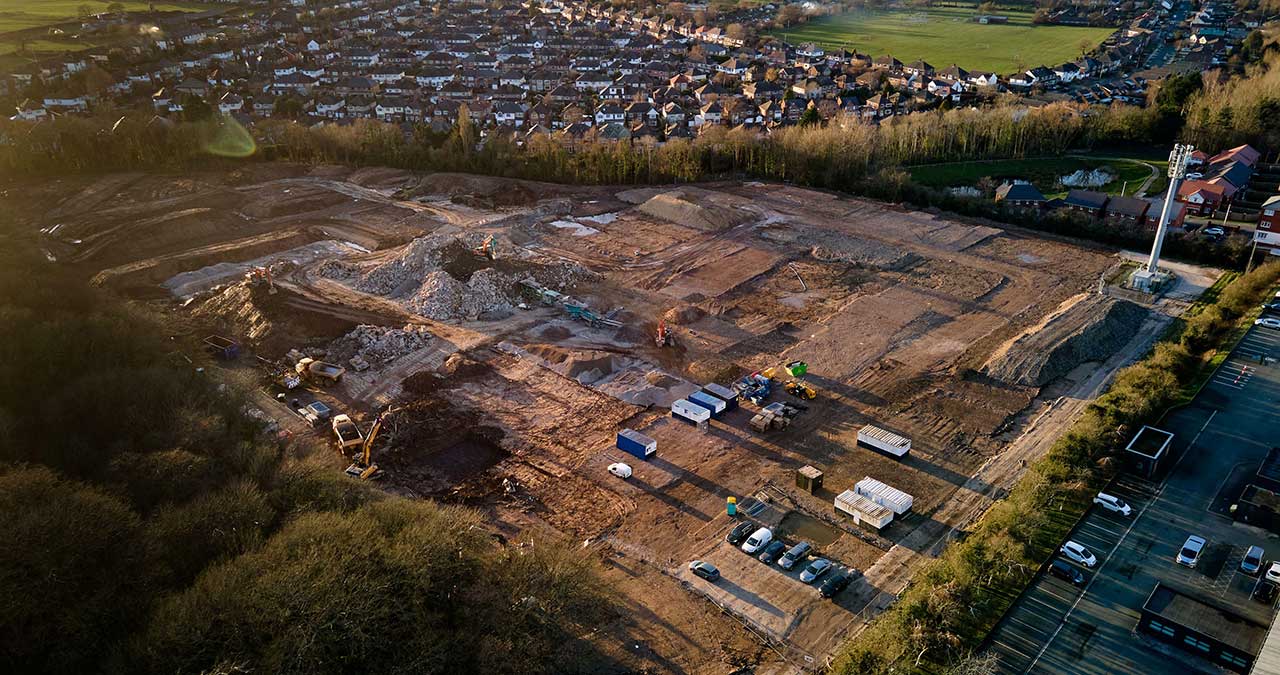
x: 664, y: 337
x: 485, y: 249
x: 362, y: 466
x: 259, y: 275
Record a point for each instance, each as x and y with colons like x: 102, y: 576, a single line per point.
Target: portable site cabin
x: 729, y: 396
x: 863, y: 510
x: 884, y: 441
x: 636, y: 443
x: 689, y: 412
x: 713, y: 404
x: 889, y: 497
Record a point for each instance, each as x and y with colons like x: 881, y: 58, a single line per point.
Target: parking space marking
x: 1103, y: 564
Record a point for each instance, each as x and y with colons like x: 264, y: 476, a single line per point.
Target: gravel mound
x: 378, y: 345
x: 1087, y: 327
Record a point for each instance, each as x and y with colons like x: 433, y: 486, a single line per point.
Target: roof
x: 1227, y: 627
x: 1086, y: 199
x: 1193, y: 186
x: 1128, y: 206
x: 1240, y: 153
x: 1019, y: 192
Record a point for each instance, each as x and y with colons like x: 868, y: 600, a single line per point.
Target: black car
x: 739, y: 532
x: 773, y: 551
x: 834, y: 584
x: 1265, y: 592
x: 1065, y: 570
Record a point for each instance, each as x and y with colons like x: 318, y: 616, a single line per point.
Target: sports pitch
x: 945, y: 35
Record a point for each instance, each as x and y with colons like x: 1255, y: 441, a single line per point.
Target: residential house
x: 1019, y: 194
x: 1127, y: 211
x: 1086, y: 201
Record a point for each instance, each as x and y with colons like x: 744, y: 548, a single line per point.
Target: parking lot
x: 1056, y: 627
x: 771, y: 599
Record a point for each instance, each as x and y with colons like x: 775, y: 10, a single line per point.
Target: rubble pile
x: 378, y: 345
x: 421, y: 257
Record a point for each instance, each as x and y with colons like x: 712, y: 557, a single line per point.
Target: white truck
x: 347, y: 433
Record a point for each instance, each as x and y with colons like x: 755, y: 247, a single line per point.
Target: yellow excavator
x: 362, y: 465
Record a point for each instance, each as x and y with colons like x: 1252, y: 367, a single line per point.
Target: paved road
x: 1224, y: 433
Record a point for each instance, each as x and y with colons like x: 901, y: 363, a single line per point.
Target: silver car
x: 815, y: 569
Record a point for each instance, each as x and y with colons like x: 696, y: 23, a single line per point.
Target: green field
x: 24, y: 14
x: 946, y: 35
x: 1043, y: 173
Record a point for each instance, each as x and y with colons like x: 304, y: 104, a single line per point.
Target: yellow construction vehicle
x: 801, y: 390
x: 362, y: 465
x: 485, y: 249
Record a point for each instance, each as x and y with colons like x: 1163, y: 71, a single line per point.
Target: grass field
x: 1043, y: 173
x: 946, y: 35
x: 24, y: 14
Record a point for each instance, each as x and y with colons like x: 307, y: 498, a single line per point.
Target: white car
x: 1214, y: 232
x: 1189, y: 555
x: 1273, y: 572
x: 1112, y: 503
x: 620, y: 470
x: 758, y: 540
x: 1078, y: 553
x: 1268, y: 322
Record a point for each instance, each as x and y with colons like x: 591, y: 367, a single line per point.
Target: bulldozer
x: 362, y: 465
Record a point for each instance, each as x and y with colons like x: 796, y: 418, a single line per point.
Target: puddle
x: 578, y: 229
x: 798, y: 525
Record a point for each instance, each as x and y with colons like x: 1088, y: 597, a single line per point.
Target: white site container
x: 892, y: 498
x: 689, y: 412
x: 863, y: 510
x: 885, y: 441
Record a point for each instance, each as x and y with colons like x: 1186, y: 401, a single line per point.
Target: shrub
x: 74, y: 573
x: 212, y: 527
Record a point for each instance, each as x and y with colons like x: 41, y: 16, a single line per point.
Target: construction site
x: 484, y: 341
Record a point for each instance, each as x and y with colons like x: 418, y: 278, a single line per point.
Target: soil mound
x: 680, y: 208
x: 1087, y: 327
x: 683, y: 316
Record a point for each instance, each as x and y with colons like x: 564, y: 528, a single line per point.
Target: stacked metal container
x: 892, y: 498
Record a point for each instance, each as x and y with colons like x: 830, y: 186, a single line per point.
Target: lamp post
x: 1177, y: 171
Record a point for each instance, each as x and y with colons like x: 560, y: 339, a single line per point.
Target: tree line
x: 151, y: 526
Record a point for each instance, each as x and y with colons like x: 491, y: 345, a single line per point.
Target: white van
x: 758, y: 540
x: 1112, y: 503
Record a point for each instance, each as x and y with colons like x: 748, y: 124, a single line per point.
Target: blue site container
x: 636, y: 443
x: 729, y: 396
x: 713, y: 405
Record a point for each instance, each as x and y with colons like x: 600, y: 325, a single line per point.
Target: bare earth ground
x: 512, y: 406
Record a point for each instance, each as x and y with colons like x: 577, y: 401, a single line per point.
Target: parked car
x: 1265, y: 592
x: 1268, y: 322
x: 1273, y: 573
x: 815, y: 569
x: 1078, y: 553
x: 739, y: 532
x: 1252, y: 561
x: 1272, y: 306
x: 1214, y: 232
x: 1112, y: 503
x: 620, y: 470
x: 834, y: 584
x: 1065, y: 570
x: 705, y: 570
x: 796, y: 554
x: 758, y: 540
x: 1191, y: 550
x: 772, y: 552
